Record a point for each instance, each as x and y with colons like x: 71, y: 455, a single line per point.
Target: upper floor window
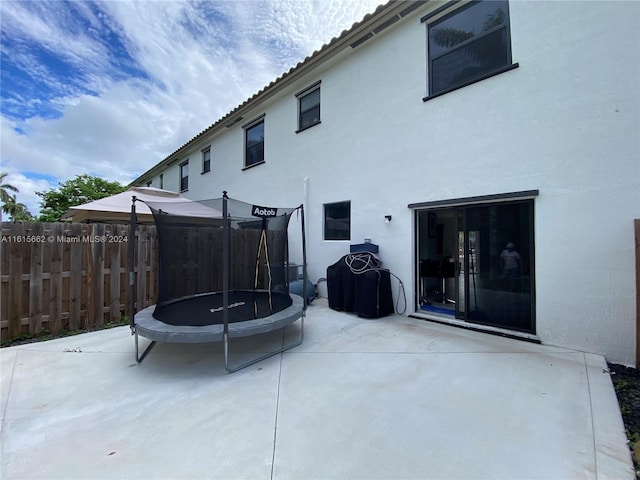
x: 149, y: 183
x: 184, y: 176
x: 206, y: 160
x: 162, y: 180
x: 309, y: 107
x: 468, y: 45
x: 254, y: 143
x: 337, y: 221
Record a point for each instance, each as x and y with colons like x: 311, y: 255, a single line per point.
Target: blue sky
x: 110, y: 88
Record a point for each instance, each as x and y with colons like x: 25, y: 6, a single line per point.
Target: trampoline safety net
x: 191, y: 263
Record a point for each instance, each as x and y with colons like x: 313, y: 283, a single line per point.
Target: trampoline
x: 222, y: 274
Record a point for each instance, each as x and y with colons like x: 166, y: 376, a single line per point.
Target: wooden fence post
x: 114, y: 272
x: 98, y: 258
x: 15, y: 282
x: 55, y: 278
x: 636, y: 224
x: 35, y: 279
x: 75, y: 279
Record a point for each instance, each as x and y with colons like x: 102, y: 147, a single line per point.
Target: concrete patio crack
x: 275, y: 425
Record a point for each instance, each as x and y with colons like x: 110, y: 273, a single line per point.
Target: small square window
x: 309, y: 109
x: 254, y: 144
x: 184, y: 176
x: 337, y: 221
x: 206, y: 160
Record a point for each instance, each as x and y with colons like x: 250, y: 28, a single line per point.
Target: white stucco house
x: 444, y: 131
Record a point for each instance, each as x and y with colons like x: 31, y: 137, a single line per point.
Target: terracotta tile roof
x: 359, y: 32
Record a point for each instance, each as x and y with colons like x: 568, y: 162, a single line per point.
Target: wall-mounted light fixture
x: 387, y: 218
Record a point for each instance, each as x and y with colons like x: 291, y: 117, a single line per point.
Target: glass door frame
x: 463, y: 294
x: 462, y: 304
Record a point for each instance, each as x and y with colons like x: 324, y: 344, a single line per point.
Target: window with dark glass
x: 149, y: 183
x: 162, y: 180
x: 309, y: 108
x: 254, y: 144
x: 184, y: 176
x: 337, y: 221
x: 469, y: 44
x: 206, y: 160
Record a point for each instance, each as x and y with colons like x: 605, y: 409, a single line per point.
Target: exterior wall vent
x: 361, y: 40
x: 388, y: 23
x: 411, y: 8
x: 234, y: 122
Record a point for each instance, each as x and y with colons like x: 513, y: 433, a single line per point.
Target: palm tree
x: 18, y: 211
x: 4, y: 189
x: 22, y: 215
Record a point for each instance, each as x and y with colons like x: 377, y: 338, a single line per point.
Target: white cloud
x: 27, y: 188
x: 192, y: 62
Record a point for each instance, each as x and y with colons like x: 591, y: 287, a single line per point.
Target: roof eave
x: 368, y: 27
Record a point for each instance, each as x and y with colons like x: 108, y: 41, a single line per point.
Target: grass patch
x: 44, y: 334
x: 626, y: 382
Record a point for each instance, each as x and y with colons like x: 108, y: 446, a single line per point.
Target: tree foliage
x: 498, y: 17
x: 17, y: 211
x: 10, y: 205
x: 77, y: 191
x: 5, y: 196
x: 448, y: 37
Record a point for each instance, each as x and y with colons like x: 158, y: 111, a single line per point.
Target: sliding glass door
x: 479, y: 264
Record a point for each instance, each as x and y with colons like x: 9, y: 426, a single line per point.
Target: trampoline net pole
x: 132, y: 276
x: 225, y: 264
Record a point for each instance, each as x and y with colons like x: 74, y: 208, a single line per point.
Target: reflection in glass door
x: 493, y: 282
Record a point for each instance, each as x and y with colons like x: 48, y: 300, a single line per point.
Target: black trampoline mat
x: 207, y: 309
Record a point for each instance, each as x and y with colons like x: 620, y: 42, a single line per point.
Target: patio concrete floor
x: 389, y: 398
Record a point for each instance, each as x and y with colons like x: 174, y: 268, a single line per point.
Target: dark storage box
x: 368, y: 294
x: 364, y: 247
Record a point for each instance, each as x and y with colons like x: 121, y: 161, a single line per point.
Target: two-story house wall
x: 490, y: 149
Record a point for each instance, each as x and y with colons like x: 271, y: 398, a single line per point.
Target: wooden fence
x: 636, y: 227
x: 58, y: 276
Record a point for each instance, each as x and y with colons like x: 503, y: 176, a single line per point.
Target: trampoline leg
x: 231, y: 369
x: 139, y: 357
